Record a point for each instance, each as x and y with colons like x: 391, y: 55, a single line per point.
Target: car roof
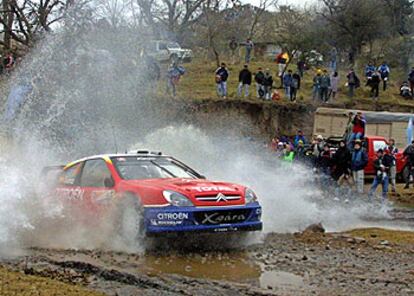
x: 107, y: 157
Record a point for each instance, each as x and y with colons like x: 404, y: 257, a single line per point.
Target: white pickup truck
x: 168, y: 51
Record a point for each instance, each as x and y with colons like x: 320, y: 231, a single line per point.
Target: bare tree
x: 175, y: 16
x: 258, y: 13
x: 354, y: 22
x: 24, y: 21
x: 116, y: 12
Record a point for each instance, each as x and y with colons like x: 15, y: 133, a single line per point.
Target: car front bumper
x: 169, y: 219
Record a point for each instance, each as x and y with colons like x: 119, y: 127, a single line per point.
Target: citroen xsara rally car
x: 159, y: 193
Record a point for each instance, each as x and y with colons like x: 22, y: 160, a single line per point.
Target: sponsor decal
x: 71, y: 193
x: 156, y: 222
x: 218, y: 218
x: 172, y: 216
x: 212, y: 188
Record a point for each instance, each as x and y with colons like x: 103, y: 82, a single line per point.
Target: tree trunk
x: 8, y: 17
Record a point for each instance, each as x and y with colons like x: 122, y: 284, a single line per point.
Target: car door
x: 92, y: 181
x: 68, y: 190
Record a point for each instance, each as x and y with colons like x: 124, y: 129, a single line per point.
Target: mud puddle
x: 234, y: 267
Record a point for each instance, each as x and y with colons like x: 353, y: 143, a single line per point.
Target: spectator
x: 249, y: 48
x: 393, y: 151
x: 382, y: 168
x: 233, y: 46
x: 342, y: 162
x: 299, y: 137
x: 411, y: 80
x: 333, y: 58
x: 295, y: 86
x: 317, y: 148
x: 300, y: 151
x: 359, y: 160
x: 325, y: 163
x: 259, y: 79
x: 274, y: 143
x: 358, y: 128
x: 268, y: 84
x: 282, y: 59
x: 275, y: 95
x: 222, y: 74
x: 245, y: 80
x: 8, y: 61
x: 287, y: 82
x: 384, y: 71
x: 409, y: 154
x: 374, y: 83
x: 405, y: 90
x: 153, y: 70
x: 369, y: 70
x: 174, y: 74
x: 353, y: 82
x: 334, y: 85
x: 301, y: 67
x: 316, y: 85
x: 349, y: 127
x: 280, y: 152
x: 289, y: 155
x: 325, y: 84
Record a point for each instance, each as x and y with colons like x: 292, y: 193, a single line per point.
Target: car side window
x: 94, y: 173
x: 70, y: 175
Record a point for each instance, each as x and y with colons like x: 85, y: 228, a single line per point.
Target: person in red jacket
x: 358, y: 129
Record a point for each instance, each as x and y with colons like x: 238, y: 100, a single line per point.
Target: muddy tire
x: 131, y: 219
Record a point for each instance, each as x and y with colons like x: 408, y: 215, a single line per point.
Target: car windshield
x: 138, y: 168
x: 173, y: 45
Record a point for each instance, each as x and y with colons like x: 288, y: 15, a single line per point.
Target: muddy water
x: 235, y: 267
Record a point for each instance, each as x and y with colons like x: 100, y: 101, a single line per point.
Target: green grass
x: 198, y: 84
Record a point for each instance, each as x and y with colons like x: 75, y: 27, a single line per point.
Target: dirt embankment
x: 265, y: 119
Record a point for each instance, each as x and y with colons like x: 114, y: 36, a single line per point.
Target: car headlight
x: 177, y: 199
x: 249, y: 196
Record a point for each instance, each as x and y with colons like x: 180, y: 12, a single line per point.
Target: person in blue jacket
x: 299, y: 137
x: 359, y: 160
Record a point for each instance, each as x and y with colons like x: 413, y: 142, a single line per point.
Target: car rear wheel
x: 131, y: 219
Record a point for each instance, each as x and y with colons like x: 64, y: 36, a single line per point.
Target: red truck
x: 372, y: 144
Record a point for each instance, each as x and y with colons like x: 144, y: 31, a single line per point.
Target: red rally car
x: 157, y: 194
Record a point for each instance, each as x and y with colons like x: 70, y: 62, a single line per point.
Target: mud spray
x: 86, y: 91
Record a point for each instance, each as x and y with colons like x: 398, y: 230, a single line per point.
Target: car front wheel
x: 131, y: 220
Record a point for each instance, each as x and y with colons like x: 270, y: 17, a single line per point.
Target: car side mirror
x: 203, y: 177
x: 109, y: 182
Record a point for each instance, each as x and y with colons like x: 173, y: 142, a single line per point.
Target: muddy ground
x: 362, y: 262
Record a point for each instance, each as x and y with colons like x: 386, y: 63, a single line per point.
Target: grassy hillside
x: 198, y: 84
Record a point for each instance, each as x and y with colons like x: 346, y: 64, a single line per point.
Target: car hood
x: 201, y: 192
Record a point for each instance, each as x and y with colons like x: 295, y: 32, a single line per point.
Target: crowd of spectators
x: 342, y: 163
x: 325, y: 83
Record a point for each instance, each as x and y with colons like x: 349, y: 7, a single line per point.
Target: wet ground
x: 355, y: 263
x: 358, y: 262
